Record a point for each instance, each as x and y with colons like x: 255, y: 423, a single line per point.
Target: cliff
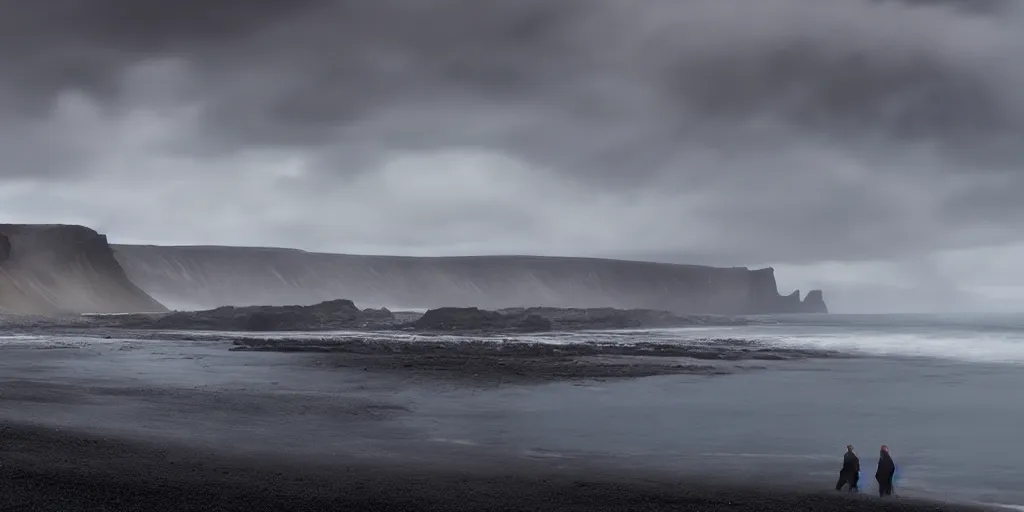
x: 50, y: 269
x: 203, y: 277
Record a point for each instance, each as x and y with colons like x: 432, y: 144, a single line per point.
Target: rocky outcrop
x: 206, y: 277
x: 5, y: 248
x: 575, y: 319
x: 814, y: 302
x: 52, y: 269
x: 479, y: 320
x: 765, y: 298
x: 344, y: 315
x: 329, y: 315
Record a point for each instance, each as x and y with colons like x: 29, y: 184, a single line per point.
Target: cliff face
x: 47, y: 269
x: 208, y: 277
x: 5, y: 248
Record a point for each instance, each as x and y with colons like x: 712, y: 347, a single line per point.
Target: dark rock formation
x: 814, y: 302
x: 330, y: 315
x: 575, y: 319
x: 765, y: 298
x: 206, y: 277
x: 5, y: 248
x: 764, y: 293
x: 50, y: 269
x: 479, y: 320
x: 791, y: 303
x: 343, y: 314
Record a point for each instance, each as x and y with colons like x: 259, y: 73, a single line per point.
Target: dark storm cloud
x: 606, y: 88
x: 55, y: 44
x: 296, y: 71
x: 823, y: 128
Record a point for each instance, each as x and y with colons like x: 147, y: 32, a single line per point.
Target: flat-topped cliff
x: 49, y: 269
x: 203, y: 277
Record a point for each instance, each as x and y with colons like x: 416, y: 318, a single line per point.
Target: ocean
x: 944, y: 393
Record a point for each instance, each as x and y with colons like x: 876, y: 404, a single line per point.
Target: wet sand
x: 44, y: 469
x: 123, y: 426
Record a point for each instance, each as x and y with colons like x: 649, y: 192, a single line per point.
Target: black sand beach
x: 48, y: 470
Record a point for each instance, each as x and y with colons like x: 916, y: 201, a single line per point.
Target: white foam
x: 545, y: 454
x: 982, y: 346
x: 19, y: 338
x: 101, y: 315
x: 1004, y: 346
x: 463, y: 442
x: 979, y: 347
x: 800, y: 456
x: 28, y: 340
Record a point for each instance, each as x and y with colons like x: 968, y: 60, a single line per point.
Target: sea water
x: 946, y: 394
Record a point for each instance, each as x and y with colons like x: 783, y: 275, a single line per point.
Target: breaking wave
x: 979, y: 343
x: 983, y: 346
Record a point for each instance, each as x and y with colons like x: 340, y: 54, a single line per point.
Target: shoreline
x: 488, y: 360
x: 350, y: 404
x: 48, y: 469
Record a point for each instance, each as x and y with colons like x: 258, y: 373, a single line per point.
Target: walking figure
x: 850, y: 474
x: 886, y: 471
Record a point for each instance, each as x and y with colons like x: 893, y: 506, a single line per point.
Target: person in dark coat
x: 886, y: 471
x: 850, y: 474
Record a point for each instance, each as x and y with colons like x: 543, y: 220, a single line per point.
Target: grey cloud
x: 816, y: 129
x: 300, y: 72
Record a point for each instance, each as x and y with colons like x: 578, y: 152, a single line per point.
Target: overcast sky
x: 874, y: 148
